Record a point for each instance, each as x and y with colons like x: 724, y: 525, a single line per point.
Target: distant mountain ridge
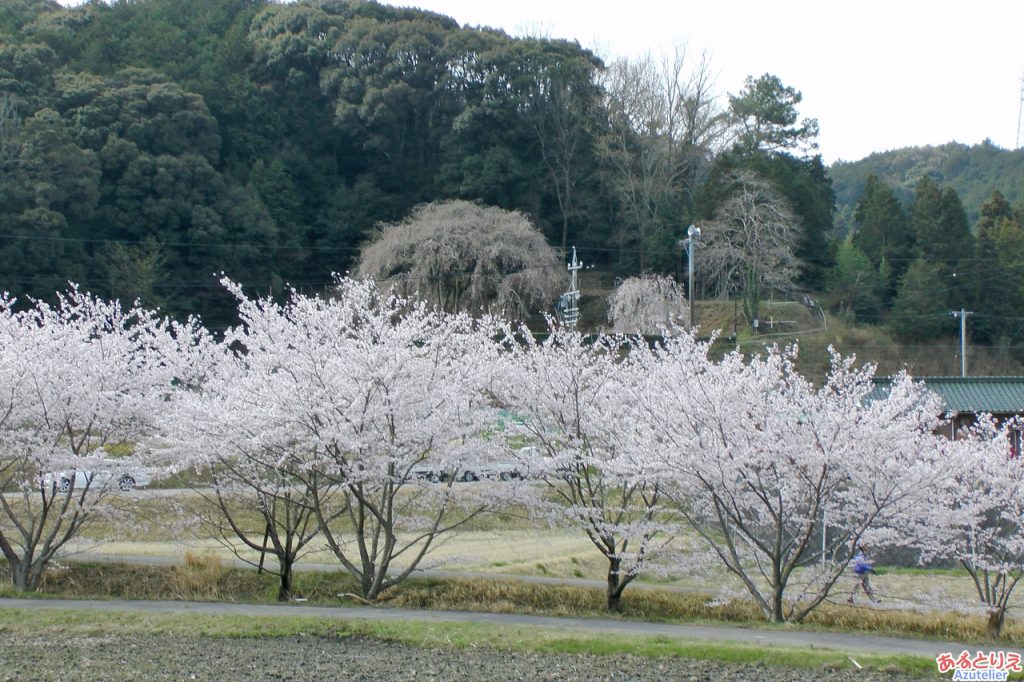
x: 973, y: 171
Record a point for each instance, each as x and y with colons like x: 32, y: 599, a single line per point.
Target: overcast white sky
x: 877, y: 74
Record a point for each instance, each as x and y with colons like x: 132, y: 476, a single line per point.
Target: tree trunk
x: 371, y: 583
x: 26, y: 576
x: 614, y: 592
x: 16, y: 577
x: 996, y: 618
x: 752, y: 296
x: 614, y: 598
x: 777, y: 613
x: 284, y: 590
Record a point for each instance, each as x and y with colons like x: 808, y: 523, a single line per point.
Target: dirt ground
x: 355, y: 658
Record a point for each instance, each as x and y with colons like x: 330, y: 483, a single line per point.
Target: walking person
x: 862, y: 569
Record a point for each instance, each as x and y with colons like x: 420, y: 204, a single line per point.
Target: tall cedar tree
x: 773, y: 143
x: 883, y: 232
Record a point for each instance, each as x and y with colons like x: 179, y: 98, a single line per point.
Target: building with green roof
x: 966, y: 397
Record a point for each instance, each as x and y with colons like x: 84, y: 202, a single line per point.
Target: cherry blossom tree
x: 462, y: 256
x: 260, y: 501
x: 351, y: 400
x: 647, y: 304
x: 979, y: 521
x: 761, y: 459
x: 256, y: 504
x: 76, y: 377
x: 571, y: 396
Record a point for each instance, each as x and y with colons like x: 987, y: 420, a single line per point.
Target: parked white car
x: 125, y: 478
x: 500, y: 471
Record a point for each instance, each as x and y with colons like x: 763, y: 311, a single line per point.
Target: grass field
x: 206, y: 578
x: 563, y: 554
x: 500, y: 545
x: 503, y: 545
x: 203, y: 569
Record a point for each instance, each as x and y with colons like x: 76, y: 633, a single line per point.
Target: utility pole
x: 569, y: 302
x: 962, y: 314
x: 1020, y: 113
x: 692, y: 233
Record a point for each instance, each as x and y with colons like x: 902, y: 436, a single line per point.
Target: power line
x: 187, y: 245
x: 628, y: 250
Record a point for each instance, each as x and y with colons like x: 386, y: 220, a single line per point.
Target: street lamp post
x: 962, y: 314
x: 692, y: 233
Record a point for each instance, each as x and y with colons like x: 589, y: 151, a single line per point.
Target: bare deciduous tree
x: 647, y: 304
x: 748, y: 246
x: 462, y: 256
x: 559, y: 124
x: 665, y: 125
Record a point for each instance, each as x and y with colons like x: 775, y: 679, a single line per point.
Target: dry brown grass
x: 500, y: 596
x: 204, y: 578
x: 939, y: 624
x: 200, y: 576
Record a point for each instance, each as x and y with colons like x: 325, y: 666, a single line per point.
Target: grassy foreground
x: 204, y: 577
x: 210, y: 578
x: 58, y: 623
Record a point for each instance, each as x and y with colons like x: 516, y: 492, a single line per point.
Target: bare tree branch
x: 749, y: 245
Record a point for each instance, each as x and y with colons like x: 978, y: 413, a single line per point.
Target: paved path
x: 782, y: 636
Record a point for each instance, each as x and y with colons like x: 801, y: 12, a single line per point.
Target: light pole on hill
x: 962, y: 314
x: 692, y: 234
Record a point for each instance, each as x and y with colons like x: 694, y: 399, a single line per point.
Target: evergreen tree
x: 883, y: 232
x: 940, y: 225
x: 854, y: 284
x: 921, y: 308
x: 942, y: 237
x: 766, y: 113
x: 997, y: 281
x: 773, y: 145
x: 995, y: 207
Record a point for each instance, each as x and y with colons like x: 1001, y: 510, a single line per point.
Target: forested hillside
x: 147, y: 145
x: 973, y: 171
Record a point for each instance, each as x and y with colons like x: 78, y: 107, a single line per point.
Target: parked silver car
x: 126, y: 478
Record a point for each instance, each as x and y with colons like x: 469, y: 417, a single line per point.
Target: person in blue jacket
x: 862, y: 569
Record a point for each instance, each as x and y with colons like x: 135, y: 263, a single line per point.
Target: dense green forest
x: 974, y: 172
x: 930, y: 230
x: 146, y: 146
